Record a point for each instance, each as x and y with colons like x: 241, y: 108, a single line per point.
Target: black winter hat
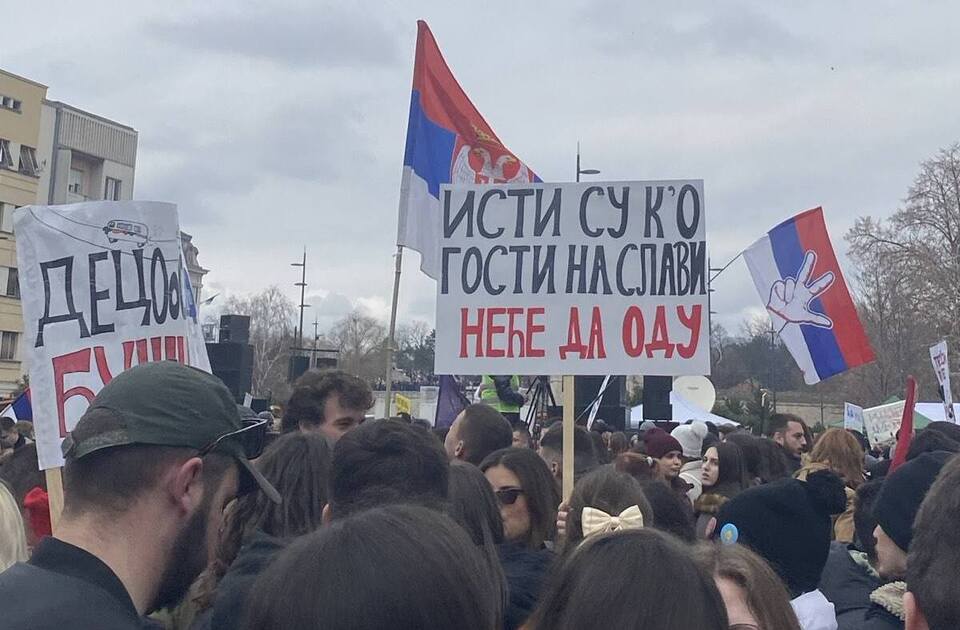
x: 902, y: 493
x: 788, y: 523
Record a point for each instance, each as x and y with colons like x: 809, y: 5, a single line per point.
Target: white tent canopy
x: 935, y: 410
x: 684, y: 410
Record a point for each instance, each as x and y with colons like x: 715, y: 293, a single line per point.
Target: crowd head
x: 527, y: 493
x: 789, y: 431
x: 329, y: 401
x: 476, y: 432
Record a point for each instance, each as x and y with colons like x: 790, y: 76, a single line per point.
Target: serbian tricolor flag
x: 448, y: 141
x: 796, y: 273
x: 20, y: 408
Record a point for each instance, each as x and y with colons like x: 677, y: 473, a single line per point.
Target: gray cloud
x: 328, y: 35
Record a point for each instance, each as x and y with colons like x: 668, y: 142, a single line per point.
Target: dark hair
x: 671, y: 513
x: 473, y: 504
x: 584, y: 456
x: 599, y: 448
x: 298, y: 466
x: 767, y: 597
x: 778, y: 423
x: 732, y: 476
x: 580, y: 593
x: 524, y: 431
x: 7, y: 423
x: 310, y: 393
x: 22, y: 472
x: 640, y: 466
x: 387, y: 461
x: 863, y: 520
x: 749, y: 450
x: 773, y: 461
x: 935, y: 551
x: 110, y: 480
x: 395, y: 567
x: 604, y: 489
x: 618, y: 443
x: 929, y: 441
x: 483, y: 430
x: 539, y: 488
x: 948, y: 429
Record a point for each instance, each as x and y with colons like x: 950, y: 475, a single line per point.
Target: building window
x: 13, y: 283
x: 28, y: 161
x: 8, y: 345
x: 6, y: 158
x: 75, y: 185
x: 8, y: 102
x: 6, y: 217
x: 111, y: 190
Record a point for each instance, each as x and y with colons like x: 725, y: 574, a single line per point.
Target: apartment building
x: 21, y: 168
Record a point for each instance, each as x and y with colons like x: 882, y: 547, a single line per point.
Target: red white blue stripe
x: 20, y: 408
x: 448, y: 141
x: 829, y: 339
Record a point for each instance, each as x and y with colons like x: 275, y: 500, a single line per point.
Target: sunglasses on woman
x: 508, y: 496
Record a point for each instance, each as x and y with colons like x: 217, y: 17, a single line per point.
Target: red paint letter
x: 596, y: 349
x: 574, y: 341
x: 466, y: 330
x: 532, y: 329
x: 493, y: 329
x: 514, y: 332
x: 74, y: 362
x: 692, y: 324
x: 661, y: 335
x: 633, y: 332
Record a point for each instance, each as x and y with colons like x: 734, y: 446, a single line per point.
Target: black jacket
x: 64, y: 587
x: 886, y: 608
x: 847, y: 585
x: 233, y: 592
x: 525, y: 570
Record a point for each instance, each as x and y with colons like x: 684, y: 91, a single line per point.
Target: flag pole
x: 393, y: 329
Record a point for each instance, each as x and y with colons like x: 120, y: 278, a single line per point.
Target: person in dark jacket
x: 850, y: 577
x: 148, y: 469
x: 895, y: 510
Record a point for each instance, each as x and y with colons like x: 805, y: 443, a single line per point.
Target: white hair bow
x: 596, y: 521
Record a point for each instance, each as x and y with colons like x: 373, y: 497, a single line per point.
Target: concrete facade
x: 21, y: 168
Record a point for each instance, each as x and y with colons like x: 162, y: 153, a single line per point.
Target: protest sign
x: 404, y: 404
x: 587, y: 278
x: 105, y: 289
x: 941, y: 365
x: 882, y: 423
x: 852, y: 417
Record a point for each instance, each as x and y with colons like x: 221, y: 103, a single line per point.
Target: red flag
x: 906, y: 427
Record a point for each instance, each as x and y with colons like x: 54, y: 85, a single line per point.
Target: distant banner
x: 941, y: 365
x: 852, y: 417
x: 104, y: 289
x: 882, y: 423
x: 404, y: 404
x: 593, y: 279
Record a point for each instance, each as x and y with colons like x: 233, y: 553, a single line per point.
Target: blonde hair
x: 839, y: 450
x: 13, y: 539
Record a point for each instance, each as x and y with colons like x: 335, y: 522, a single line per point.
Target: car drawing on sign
x: 131, y: 231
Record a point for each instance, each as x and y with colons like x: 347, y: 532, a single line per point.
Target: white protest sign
x: 588, y: 278
x: 852, y: 417
x: 941, y: 365
x: 882, y: 423
x: 104, y: 289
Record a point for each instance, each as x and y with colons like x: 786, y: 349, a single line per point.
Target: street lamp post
x: 584, y: 171
x: 303, y: 293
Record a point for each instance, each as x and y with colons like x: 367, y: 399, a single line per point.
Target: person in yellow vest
x: 501, y: 393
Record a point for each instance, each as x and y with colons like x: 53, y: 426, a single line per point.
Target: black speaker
x: 232, y: 363
x: 616, y: 416
x: 298, y: 365
x: 656, y: 398
x: 234, y: 329
x: 586, y: 388
x: 260, y: 404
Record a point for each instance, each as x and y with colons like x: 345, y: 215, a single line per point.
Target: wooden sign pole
x: 568, y: 436
x: 55, y: 496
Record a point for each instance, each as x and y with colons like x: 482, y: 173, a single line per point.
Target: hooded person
x: 668, y: 452
x: 691, y: 438
x: 788, y: 523
x: 895, y: 509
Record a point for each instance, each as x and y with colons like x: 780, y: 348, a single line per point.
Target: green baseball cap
x: 170, y: 404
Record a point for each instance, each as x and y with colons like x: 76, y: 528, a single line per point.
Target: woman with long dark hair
x: 724, y: 475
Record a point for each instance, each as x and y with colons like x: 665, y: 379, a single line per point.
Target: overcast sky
x: 274, y: 128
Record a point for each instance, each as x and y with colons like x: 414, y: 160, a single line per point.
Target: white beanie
x: 691, y: 437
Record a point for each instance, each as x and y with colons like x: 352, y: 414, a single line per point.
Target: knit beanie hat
x: 659, y: 443
x: 691, y: 437
x: 787, y: 522
x: 902, y: 493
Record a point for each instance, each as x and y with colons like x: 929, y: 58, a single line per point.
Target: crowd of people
x: 182, y: 511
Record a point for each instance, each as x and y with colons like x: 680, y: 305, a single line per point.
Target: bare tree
x: 360, y: 339
x: 271, y: 334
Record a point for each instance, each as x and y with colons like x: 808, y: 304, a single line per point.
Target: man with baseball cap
x: 148, y: 470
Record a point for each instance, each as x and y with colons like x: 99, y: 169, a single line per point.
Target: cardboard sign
x: 105, y: 289
x: 852, y: 417
x: 941, y: 366
x: 588, y: 278
x: 882, y: 423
